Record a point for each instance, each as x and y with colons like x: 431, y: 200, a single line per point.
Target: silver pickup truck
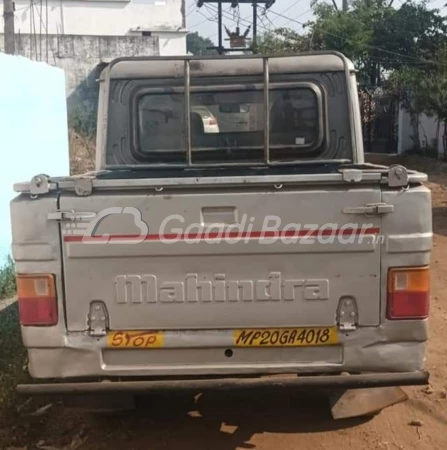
x: 231, y: 229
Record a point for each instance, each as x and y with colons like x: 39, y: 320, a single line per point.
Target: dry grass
x: 430, y: 166
x: 82, y: 153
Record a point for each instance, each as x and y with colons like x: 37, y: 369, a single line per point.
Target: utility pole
x: 220, y: 47
x: 8, y: 15
x: 237, y: 39
x: 255, y: 25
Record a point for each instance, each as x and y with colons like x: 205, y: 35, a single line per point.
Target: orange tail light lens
x: 37, y: 299
x: 408, y: 293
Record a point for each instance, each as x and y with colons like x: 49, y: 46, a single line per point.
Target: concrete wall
x: 96, y: 17
x: 404, y: 138
x: 162, y: 18
x: 82, y: 58
x: 427, y: 132
x: 170, y: 43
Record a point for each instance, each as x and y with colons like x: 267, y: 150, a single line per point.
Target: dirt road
x: 274, y: 420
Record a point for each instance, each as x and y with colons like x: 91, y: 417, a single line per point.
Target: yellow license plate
x: 135, y: 339
x: 285, y: 337
x: 267, y: 337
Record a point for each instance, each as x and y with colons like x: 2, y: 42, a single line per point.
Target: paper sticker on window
x: 300, y: 141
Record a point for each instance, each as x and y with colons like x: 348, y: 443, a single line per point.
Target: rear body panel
x: 203, y: 282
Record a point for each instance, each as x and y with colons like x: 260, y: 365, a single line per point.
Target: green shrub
x: 83, y: 120
x: 7, y: 279
x: 12, y: 363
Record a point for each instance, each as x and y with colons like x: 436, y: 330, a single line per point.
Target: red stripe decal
x: 223, y: 235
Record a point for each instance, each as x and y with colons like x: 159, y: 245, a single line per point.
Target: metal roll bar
x: 266, y: 89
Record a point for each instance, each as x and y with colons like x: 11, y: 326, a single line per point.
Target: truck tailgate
x: 198, y: 281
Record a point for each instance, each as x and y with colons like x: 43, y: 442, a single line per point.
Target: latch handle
x: 71, y: 215
x: 371, y: 209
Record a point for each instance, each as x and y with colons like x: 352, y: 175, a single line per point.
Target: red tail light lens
x: 37, y: 299
x: 408, y: 293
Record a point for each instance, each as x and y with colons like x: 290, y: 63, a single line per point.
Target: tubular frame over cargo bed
x: 187, y: 67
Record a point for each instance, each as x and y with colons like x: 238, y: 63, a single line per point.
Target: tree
x: 405, y: 86
x: 282, y: 40
x: 376, y: 36
x: 430, y: 96
x: 402, y: 49
x: 424, y: 91
x: 412, y: 34
x: 198, y: 45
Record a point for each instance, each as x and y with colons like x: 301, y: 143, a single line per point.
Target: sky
x: 289, y: 13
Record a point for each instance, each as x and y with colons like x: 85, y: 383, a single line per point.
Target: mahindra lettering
x: 261, y: 244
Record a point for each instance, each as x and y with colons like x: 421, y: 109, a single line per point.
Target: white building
x: 162, y: 18
x: 430, y: 138
x: 81, y: 37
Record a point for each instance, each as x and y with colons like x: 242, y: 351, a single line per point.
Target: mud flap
x: 362, y: 402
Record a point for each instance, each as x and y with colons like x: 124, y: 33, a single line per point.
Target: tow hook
x: 347, y: 314
x: 98, y: 318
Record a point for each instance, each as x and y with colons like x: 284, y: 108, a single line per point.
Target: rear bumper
x: 391, y: 348
x: 299, y: 382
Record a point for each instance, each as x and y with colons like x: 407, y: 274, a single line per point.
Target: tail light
x: 37, y: 299
x: 408, y: 293
x: 213, y: 121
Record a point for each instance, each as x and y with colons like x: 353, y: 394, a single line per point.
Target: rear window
x: 230, y: 124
